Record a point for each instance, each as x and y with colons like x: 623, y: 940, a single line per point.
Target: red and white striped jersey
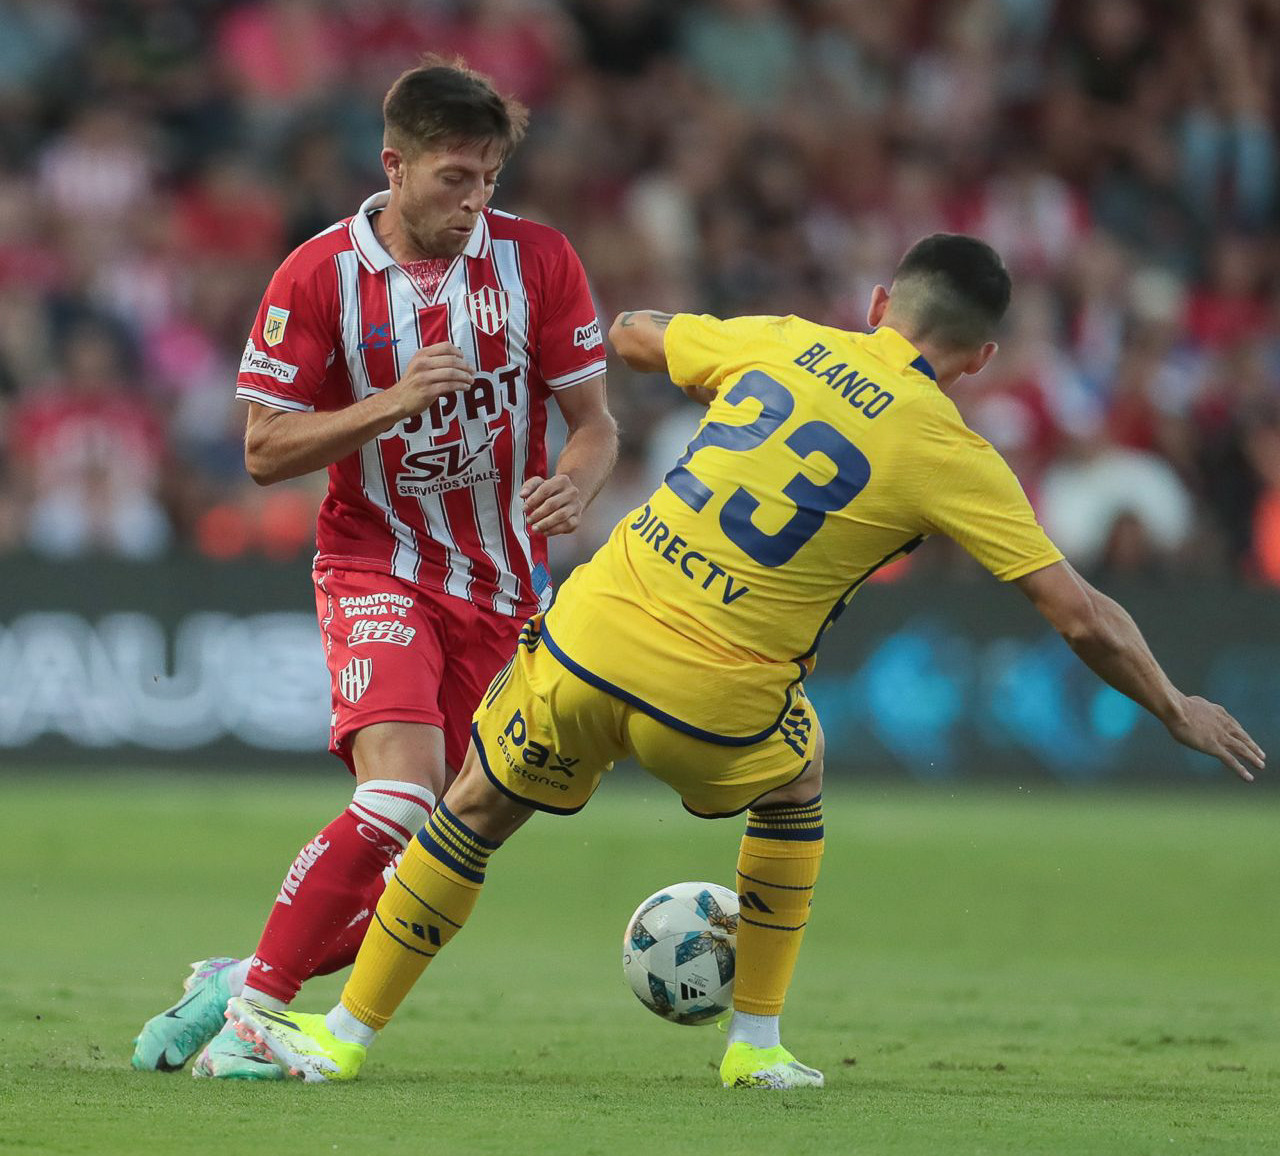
x: 434, y: 501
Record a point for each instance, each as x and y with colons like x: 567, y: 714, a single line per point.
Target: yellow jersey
x: 823, y: 455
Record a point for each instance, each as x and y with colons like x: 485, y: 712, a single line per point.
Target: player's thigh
x: 716, y: 780
x: 542, y: 736
x: 385, y: 647
x: 478, y: 643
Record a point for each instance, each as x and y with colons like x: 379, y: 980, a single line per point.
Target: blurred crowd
x: 158, y: 158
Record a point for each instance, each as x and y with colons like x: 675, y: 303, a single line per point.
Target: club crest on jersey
x: 273, y: 326
x: 488, y: 308
x: 354, y: 678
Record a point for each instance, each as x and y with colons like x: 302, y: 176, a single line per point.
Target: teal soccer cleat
x: 228, y: 1057
x: 169, y: 1040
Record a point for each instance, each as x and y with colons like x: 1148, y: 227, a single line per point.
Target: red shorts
x: 399, y: 653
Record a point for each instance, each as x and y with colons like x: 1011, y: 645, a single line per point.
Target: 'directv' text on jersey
x: 435, y: 500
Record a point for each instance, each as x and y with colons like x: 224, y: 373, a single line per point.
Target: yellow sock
x: 778, y: 866
x: 424, y: 906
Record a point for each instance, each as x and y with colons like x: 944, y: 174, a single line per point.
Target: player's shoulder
x: 315, y: 255
x: 531, y: 236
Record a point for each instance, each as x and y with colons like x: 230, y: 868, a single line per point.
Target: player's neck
x: 947, y: 363
x: 388, y: 227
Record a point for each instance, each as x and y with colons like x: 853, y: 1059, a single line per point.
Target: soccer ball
x: 678, y: 952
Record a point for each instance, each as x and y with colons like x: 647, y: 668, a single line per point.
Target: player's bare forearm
x: 279, y: 445
x: 1107, y: 640
x: 639, y: 337
x: 589, y: 454
x: 554, y: 505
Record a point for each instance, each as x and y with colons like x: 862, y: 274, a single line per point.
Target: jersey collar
x: 373, y: 254
x: 900, y: 353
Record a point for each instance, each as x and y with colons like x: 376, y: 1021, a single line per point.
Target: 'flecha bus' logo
x: 273, y: 326
x: 488, y: 308
x: 380, y: 630
x: 354, y: 678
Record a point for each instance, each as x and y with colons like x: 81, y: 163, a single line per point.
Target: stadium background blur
x: 159, y: 157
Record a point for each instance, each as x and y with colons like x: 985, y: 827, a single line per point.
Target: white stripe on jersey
x: 403, y: 300
x: 247, y: 393
x: 405, y: 558
x: 506, y: 264
x: 483, y: 495
x: 578, y: 376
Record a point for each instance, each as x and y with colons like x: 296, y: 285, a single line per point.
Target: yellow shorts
x: 545, y: 737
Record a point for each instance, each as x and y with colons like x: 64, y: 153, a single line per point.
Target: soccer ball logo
x: 678, y: 952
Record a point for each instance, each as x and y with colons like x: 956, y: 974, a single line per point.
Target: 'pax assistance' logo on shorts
x: 354, y: 678
x: 526, y: 756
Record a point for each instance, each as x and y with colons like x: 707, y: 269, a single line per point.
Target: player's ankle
x: 346, y: 1027
x: 758, y: 1031
x: 263, y: 999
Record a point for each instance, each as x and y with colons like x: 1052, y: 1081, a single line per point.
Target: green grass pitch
x: 994, y: 971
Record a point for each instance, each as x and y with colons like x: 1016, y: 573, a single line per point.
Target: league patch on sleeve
x: 273, y: 326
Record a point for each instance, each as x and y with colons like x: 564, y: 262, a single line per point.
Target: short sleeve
x: 974, y: 498
x: 701, y: 349
x: 292, y: 341
x: 570, y: 343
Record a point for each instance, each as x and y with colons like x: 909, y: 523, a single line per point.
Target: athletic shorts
x: 545, y: 738
x: 399, y: 653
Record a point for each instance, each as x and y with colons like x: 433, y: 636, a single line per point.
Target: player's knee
x: 405, y: 752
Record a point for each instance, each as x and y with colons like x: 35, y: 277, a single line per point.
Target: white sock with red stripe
x: 322, y: 909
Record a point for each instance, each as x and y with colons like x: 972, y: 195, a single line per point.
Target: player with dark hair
x: 411, y: 350
x: 824, y: 455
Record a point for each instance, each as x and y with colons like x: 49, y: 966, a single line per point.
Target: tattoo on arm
x: 661, y: 320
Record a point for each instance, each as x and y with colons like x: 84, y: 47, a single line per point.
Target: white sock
x: 758, y: 1031
x: 346, y: 1027
x: 262, y: 999
x: 238, y: 974
x: 390, y: 808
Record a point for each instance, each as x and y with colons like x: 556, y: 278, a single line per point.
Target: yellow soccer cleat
x: 300, y: 1045
x: 744, y: 1066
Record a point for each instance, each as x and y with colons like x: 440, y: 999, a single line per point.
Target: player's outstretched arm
x: 280, y: 445
x: 1108, y: 641
x: 639, y: 338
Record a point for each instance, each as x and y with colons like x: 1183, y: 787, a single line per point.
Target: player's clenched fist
x: 432, y: 372
x: 552, y: 505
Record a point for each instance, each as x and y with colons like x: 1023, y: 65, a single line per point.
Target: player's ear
x: 393, y: 165
x: 981, y: 357
x: 879, y: 304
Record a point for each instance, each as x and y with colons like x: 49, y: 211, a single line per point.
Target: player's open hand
x: 1207, y: 727
x: 552, y: 505
x: 431, y: 373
